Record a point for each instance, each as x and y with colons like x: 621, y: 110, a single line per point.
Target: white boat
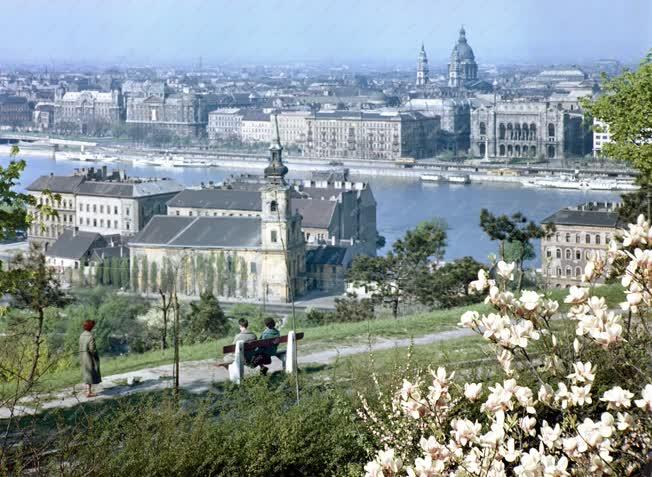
x: 581, y: 184
x: 459, y: 179
x: 194, y: 163
x: 143, y: 162
x: 168, y: 161
x: 431, y: 178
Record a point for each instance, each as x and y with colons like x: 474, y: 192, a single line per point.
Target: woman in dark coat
x: 90, y: 359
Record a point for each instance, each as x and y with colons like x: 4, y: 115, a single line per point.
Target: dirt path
x: 198, y: 376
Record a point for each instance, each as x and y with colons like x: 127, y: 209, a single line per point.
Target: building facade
x: 462, y: 69
x: 256, y: 127
x: 293, y: 127
x: 224, y: 124
x: 518, y: 128
x: 601, y: 136
x: 387, y: 135
x: 87, y: 110
x: 182, y: 113
x: 15, y: 111
x: 582, y: 233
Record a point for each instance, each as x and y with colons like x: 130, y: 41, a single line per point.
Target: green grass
x: 613, y: 294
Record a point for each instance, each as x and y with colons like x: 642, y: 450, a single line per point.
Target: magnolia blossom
x: 577, y: 295
x: 553, y: 467
x: 625, y: 421
x: 530, y: 464
x: 469, y: 319
x: 617, y: 397
x: 646, y: 402
x: 481, y: 283
x: 434, y: 449
x: 465, y: 431
x: 530, y: 300
x: 506, y: 270
x: 549, y: 436
x: 472, y: 391
x: 582, y: 372
x: 527, y: 425
x: 589, y: 271
x: 385, y: 464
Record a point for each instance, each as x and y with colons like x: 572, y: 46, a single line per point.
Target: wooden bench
x: 288, y: 357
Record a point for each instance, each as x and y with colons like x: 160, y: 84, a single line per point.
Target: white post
x: 291, y: 355
x: 236, y: 369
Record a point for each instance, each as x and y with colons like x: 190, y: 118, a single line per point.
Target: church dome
x: 462, y: 51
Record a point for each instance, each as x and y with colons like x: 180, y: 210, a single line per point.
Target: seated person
x: 245, y: 335
x: 263, y: 356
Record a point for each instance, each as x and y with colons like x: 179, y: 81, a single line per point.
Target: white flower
x: 506, y: 270
x: 553, y: 468
x: 589, y: 271
x: 646, y: 402
x: 527, y: 425
x: 577, y: 295
x: 481, y: 283
x: 617, y: 397
x: 581, y: 395
x: 582, y: 372
x: 545, y: 393
x: 510, y: 453
x: 530, y: 464
x: 434, y: 449
x: 472, y: 391
x: 469, y: 319
x: 624, y: 421
x: 465, y: 431
x: 389, y: 461
x: 549, y: 436
x: 530, y: 300
x: 373, y: 469
x: 426, y: 467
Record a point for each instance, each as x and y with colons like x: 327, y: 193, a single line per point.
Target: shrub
x: 205, y: 320
x: 350, y: 308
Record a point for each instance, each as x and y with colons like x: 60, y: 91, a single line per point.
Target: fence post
x: 291, y: 356
x: 236, y: 369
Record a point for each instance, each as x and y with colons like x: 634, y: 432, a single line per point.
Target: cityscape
x: 383, y: 191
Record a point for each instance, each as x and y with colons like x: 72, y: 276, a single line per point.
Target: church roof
x: 169, y: 231
x: 326, y: 255
x: 224, y: 199
x: 593, y: 218
x: 129, y: 189
x: 56, y: 184
x: 315, y: 213
x: 74, y: 245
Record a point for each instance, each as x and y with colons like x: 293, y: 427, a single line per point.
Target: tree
x: 626, y: 109
x: 393, y: 276
x: 144, y: 287
x: 116, y: 272
x: 35, y: 287
x: 514, y: 229
x: 134, y: 274
x: 106, y: 271
x: 153, y: 277
x: 124, y: 272
x: 447, y: 286
x: 206, y: 320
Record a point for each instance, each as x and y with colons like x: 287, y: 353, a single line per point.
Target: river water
x: 402, y: 202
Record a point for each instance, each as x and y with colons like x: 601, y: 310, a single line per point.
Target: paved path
x: 198, y: 376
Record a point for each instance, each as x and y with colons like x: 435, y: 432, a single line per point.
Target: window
x: 588, y: 255
x: 597, y: 239
x: 94, y: 207
x: 81, y: 207
x: 190, y: 213
x: 101, y: 209
x: 94, y: 222
x: 483, y: 129
x: 115, y: 209
x: 568, y: 271
x: 88, y: 208
x: 558, y: 253
x: 274, y: 237
x: 177, y: 212
x: 548, y: 253
x: 568, y: 254
x: 577, y: 238
x: 551, y: 130
x: 578, y: 255
x: 127, y: 211
x: 101, y: 222
x: 557, y: 237
x: 578, y: 272
x: 115, y: 224
x: 273, y: 206
x: 252, y: 267
x: 127, y: 225
x: 568, y: 237
x: 587, y: 239
x: 558, y: 271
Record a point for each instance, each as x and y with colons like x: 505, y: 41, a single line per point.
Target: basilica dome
x: 462, y: 51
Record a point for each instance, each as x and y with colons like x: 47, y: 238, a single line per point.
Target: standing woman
x: 90, y: 359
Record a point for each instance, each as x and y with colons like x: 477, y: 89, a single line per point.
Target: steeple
x: 462, y: 34
x: 276, y: 170
x: 422, y: 67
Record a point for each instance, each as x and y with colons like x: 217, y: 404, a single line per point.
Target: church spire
x: 276, y: 170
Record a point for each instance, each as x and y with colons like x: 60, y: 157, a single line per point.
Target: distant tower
x: 422, y: 68
x: 462, y: 67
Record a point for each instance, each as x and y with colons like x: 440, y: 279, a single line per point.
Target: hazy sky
x: 248, y: 31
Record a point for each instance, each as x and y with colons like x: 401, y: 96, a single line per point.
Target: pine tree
x: 81, y: 278
x: 144, y: 282
x: 115, y: 272
x: 106, y: 271
x: 124, y: 272
x: 243, y: 277
x: 210, y: 275
x: 97, y: 276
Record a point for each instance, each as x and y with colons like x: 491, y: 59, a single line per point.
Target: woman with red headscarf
x: 90, y: 359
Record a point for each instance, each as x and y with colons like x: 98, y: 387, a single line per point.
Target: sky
x: 322, y: 31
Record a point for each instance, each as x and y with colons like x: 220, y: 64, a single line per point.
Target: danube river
x: 402, y: 203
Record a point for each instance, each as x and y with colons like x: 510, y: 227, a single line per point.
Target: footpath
x: 199, y: 376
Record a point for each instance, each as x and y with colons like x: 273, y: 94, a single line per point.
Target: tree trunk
x: 176, y: 345
x: 164, y: 309
x: 395, y: 307
x: 37, y: 349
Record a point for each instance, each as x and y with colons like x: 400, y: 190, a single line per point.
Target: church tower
x: 281, y: 237
x: 422, y: 68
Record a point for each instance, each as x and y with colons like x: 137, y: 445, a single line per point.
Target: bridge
x: 15, y: 138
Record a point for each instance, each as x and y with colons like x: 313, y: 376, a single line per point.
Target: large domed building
x: 462, y: 69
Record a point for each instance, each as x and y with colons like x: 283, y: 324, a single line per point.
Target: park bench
x: 288, y: 356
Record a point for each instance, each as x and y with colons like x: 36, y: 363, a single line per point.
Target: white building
x: 224, y: 123
x: 293, y: 127
x: 256, y: 127
x: 600, y: 137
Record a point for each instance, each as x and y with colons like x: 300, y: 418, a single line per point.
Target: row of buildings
x: 252, y: 237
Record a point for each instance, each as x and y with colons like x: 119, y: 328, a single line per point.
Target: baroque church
x: 261, y: 257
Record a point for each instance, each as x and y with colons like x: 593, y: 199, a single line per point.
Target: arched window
x: 578, y: 255
x: 517, y: 131
x: 502, y: 150
x: 568, y: 271
x: 510, y: 150
x: 501, y: 131
x: 559, y: 271
x: 548, y: 253
x: 578, y: 271
x: 568, y: 254
x: 510, y: 131
x: 525, y: 151
x: 551, y: 151
x: 517, y: 151
x: 483, y: 129
x: 568, y: 237
x: 557, y: 237
x: 587, y: 238
x: 483, y: 149
x: 597, y: 239
x: 558, y: 253
x: 273, y: 206
x: 533, y: 131
x: 533, y: 151
x: 551, y: 130
x: 577, y: 238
